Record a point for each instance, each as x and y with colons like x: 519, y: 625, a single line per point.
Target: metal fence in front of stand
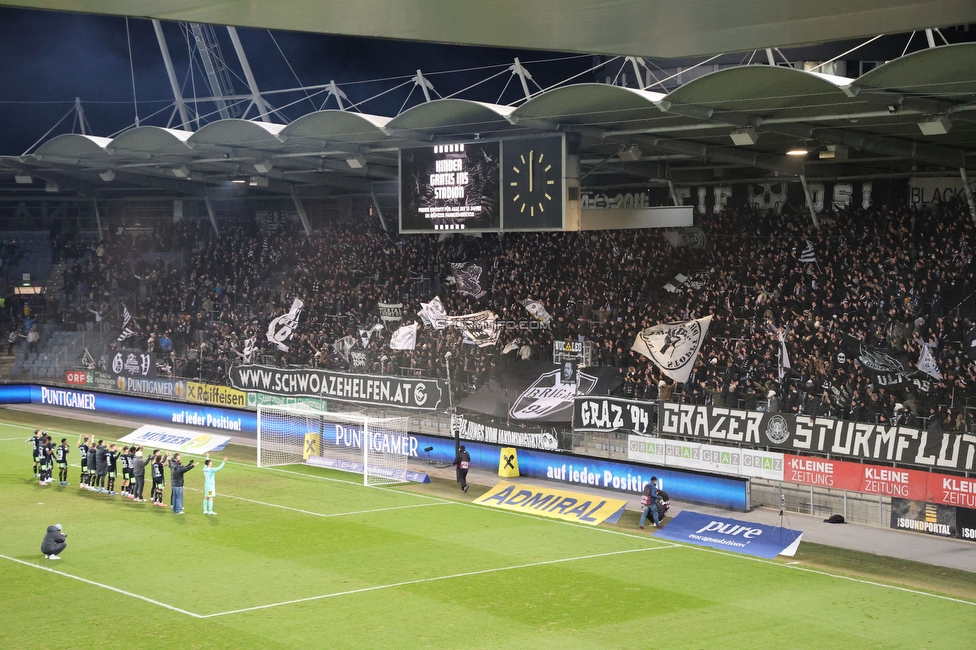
x: 856, y: 507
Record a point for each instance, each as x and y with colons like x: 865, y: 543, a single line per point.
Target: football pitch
x: 300, y: 557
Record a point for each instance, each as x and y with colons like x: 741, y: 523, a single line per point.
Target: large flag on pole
x: 405, y: 338
x: 926, y: 363
x: 282, y: 328
x: 673, y: 347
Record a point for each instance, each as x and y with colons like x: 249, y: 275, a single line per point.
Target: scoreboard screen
x: 445, y: 187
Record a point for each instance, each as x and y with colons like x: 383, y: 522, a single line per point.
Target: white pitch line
x: 22, y: 439
x: 103, y: 586
x: 839, y: 576
x: 320, y: 514
x: 529, y: 515
x: 436, y: 579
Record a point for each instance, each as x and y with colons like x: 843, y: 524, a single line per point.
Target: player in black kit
x: 83, y: 450
x: 47, y: 462
x: 61, y: 457
x: 159, y: 462
x: 126, y: 472
x: 112, y: 458
x: 37, y: 441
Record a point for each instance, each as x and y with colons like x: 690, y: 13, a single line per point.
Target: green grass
x: 416, y: 568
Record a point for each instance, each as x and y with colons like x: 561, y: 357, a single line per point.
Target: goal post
x: 378, y: 448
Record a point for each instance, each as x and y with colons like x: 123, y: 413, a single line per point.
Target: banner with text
x: 708, y: 458
x: 732, y: 535
x: 553, y: 502
x: 612, y: 414
x: 181, y: 440
x: 803, y: 434
x: 506, y: 436
x: 374, y: 390
x: 219, y: 395
x: 536, y: 391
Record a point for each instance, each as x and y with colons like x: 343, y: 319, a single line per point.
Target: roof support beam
x: 210, y: 212
x: 876, y: 144
x: 297, y: 200
x: 248, y: 75
x: 727, y: 155
x: 171, y: 73
x: 906, y: 149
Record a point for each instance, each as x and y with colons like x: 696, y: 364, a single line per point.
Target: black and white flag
x: 673, y: 347
x: 343, y: 345
x: 783, y: 356
x: 537, y: 310
x: 366, y: 335
x: 478, y: 328
x: 433, y: 314
x: 471, y: 278
x: 282, y: 328
x: 249, y: 349
x: 391, y: 311
x: 927, y: 364
x: 808, y: 256
x: 405, y: 338
x: 129, y: 326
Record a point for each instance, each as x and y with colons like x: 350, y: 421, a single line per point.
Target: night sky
x: 51, y: 58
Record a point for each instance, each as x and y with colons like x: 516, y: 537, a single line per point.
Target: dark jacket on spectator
x: 177, y: 471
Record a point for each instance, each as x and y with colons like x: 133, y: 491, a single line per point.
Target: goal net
x: 377, y: 448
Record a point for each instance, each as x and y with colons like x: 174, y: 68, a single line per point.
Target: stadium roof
x: 914, y: 114
x: 653, y: 28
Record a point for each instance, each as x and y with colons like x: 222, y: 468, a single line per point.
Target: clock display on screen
x: 532, y: 186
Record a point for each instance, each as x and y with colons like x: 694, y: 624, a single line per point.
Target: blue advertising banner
x: 172, y: 412
x: 726, y: 492
x: 732, y: 535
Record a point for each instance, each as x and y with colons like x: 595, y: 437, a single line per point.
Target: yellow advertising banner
x: 216, y: 395
x: 553, y: 502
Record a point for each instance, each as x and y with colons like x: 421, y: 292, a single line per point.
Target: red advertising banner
x: 76, y: 377
x: 885, y: 481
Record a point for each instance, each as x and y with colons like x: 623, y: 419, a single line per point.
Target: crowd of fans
x: 889, y: 278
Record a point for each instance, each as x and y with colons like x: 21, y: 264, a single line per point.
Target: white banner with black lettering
x: 423, y: 394
x: 707, y: 458
x: 612, y: 414
x: 391, y: 311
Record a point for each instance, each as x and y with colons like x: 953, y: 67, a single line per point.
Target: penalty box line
x: 321, y: 514
x: 528, y: 515
x: 453, y: 576
x: 103, y: 586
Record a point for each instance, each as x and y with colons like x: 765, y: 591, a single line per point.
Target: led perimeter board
x: 450, y: 187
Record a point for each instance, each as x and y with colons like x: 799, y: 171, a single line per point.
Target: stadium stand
x: 887, y: 277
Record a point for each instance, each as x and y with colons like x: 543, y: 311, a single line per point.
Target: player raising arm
x: 210, y: 484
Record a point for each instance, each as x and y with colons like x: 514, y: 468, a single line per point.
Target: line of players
x: 100, y: 465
